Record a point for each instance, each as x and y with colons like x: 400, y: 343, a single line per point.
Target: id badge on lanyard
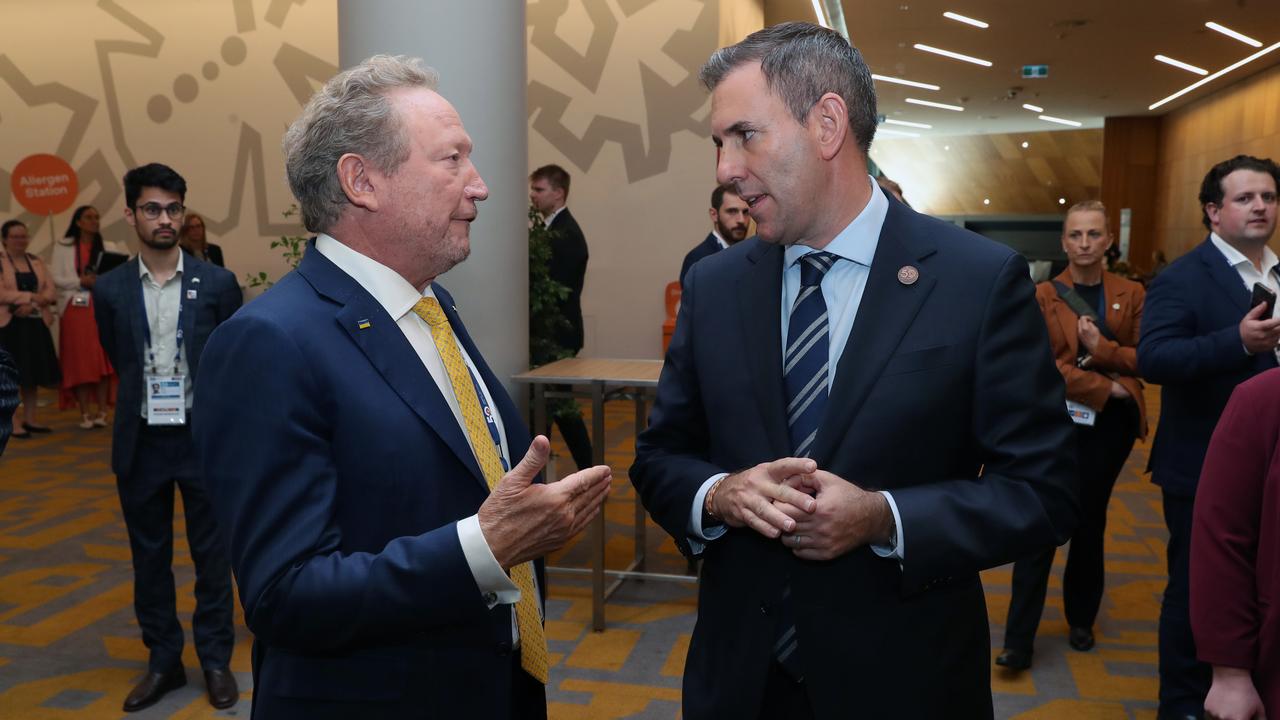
x: 166, y: 394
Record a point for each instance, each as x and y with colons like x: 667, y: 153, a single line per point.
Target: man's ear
x: 129, y: 217
x: 1213, y: 211
x: 359, y: 181
x: 829, y: 123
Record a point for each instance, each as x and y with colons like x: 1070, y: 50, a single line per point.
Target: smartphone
x: 1263, y: 295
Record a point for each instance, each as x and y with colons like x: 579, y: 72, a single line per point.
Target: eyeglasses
x: 152, y: 210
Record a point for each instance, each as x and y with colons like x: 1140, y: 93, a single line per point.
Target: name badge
x: 166, y: 399
x: 1081, y: 414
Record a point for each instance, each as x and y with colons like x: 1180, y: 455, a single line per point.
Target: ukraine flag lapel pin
x: 363, y: 324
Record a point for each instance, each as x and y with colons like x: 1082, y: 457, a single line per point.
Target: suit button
x: 504, y: 648
x: 765, y: 608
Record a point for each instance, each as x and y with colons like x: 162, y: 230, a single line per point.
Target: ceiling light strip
x: 966, y: 20
x: 1060, y: 121
x: 1032, y: 108
x: 1181, y: 65
x: 1233, y: 34
x: 929, y: 103
x: 896, y: 133
x: 906, y: 123
x: 1215, y: 76
x: 822, y: 16
x: 952, y: 55
x: 900, y: 81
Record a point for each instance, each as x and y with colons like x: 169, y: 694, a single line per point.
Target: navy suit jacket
x: 946, y: 395
x: 337, y: 473
x: 568, y: 266
x: 117, y: 302
x: 709, y: 246
x: 1191, y: 346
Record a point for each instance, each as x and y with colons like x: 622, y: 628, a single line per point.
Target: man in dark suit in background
x: 1200, y: 339
x: 896, y: 423
x: 729, y: 223
x: 371, y: 520
x: 155, y: 313
x: 549, y: 191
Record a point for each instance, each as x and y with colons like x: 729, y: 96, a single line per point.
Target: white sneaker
x: 86, y: 422
x: 100, y: 420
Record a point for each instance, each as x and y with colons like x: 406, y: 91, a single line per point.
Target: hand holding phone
x: 1259, y: 331
x: 1263, y: 294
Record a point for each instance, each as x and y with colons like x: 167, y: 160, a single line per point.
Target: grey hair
x: 350, y: 114
x: 801, y: 62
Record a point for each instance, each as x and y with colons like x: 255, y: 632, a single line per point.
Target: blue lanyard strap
x: 488, y: 419
x: 146, y: 331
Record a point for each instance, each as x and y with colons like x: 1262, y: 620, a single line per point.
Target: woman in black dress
x: 27, y: 301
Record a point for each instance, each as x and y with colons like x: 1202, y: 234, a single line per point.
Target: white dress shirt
x: 398, y: 297
x: 842, y: 288
x: 1249, y: 273
x: 163, y: 304
x: 724, y: 245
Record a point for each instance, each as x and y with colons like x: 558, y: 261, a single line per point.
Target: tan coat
x: 1112, y: 360
x: 10, y: 295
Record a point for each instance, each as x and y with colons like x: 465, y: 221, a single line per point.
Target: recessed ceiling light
x: 946, y: 147
x: 1062, y: 201
x: 1179, y: 64
x: 1060, y: 121
x: 822, y: 17
x: 900, y: 81
x: 1233, y: 34
x: 967, y: 20
x: 1025, y: 144
x: 1032, y: 108
x: 952, y: 55
x: 1215, y: 76
x: 986, y: 201
x: 896, y: 133
x: 906, y: 123
x: 941, y: 106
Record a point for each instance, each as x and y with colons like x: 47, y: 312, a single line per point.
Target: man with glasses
x: 154, y: 314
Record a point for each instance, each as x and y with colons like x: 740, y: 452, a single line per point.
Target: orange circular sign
x: 44, y: 184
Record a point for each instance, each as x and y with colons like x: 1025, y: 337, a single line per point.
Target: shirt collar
x: 144, y: 272
x: 858, y: 241
x: 719, y: 240
x: 1235, y: 257
x: 388, y: 287
x: 551, y: 218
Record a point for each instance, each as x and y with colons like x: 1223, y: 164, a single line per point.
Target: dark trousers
x: 784, y: 698
x: 164, y: 458
x: 1102, y: 451
x: 1184, y: 681
x: 574, y: 431
x: 528, y: 696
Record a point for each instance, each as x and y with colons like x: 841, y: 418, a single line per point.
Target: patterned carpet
x: 69, y: 647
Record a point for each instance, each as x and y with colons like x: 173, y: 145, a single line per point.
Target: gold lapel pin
x: 908, y: 275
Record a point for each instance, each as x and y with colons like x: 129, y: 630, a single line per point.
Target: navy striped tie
x: 805, y: 371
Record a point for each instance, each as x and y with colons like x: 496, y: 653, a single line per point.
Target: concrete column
x: 478, y: 47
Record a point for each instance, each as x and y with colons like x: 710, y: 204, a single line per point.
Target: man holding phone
x: 1204, y: 331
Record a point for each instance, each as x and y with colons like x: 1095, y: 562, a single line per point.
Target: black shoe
x: 1081, y: 639
x: 153, y: 687
x: 38, y: 429
x: 20, y: 435
x: 1014, y: 659
x: 221, y: 684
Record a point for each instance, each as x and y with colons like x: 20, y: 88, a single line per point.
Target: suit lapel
x: 884, y: 314
x: 761, y: 319
x: 192, y: 279
x: 137, y: 312
x: 1224, y: 275
x: 389, y: 352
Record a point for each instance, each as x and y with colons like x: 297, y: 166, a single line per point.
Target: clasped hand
x: 818, y: 515
x: 522, y: 520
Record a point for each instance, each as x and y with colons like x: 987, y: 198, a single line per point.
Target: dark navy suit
x: 946, y: 395
x: 150, y: 461
x: 1191, y: 346
x: 338, y: 473
x: 709, y: 246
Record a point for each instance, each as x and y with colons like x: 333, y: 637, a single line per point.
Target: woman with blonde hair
x: 193, y: 239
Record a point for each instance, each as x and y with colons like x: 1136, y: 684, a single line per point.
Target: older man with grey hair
x: 897, y: 423
x: 384, y: 530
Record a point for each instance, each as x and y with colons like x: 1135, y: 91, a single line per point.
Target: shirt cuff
x: 492, y: 580
x: 894, y: 552
x: 698, y: 535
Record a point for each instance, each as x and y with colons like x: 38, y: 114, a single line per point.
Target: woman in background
x: 85, y: 370
x: 27, y: 297
x: 194, y: 241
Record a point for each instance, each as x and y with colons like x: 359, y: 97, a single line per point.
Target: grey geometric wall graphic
x: 244, y: 16
x: 278, y: 10
x: 631, y: 7
x: 298, y: 68
x: 249, y: 159
x: 107, y: 48
x: 542, y: 16
x: 668, y: 108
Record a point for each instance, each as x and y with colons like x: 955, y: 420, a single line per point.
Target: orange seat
x: 673, y: 304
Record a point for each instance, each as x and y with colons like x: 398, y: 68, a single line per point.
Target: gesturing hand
x: 749, y: 498
x: 846, y: 517
x: 522, y: 520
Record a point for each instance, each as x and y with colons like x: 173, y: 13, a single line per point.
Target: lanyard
x: 488, y: 419
x: 146, y: 330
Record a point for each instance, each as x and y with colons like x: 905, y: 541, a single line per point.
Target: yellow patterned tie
x: 533, y: 639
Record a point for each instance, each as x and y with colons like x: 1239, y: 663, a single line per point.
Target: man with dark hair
x: 154, y: 314
x: 897, y: 412
x: 548, y: 192
x: 729, y: 224
x: 1201, y: 338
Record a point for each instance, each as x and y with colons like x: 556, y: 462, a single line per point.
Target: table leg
x: 597, y: 525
